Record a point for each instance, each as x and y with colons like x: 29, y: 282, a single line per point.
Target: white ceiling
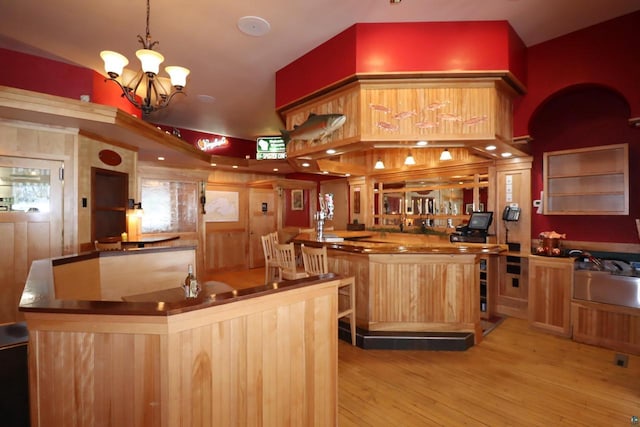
x: 239, y: 70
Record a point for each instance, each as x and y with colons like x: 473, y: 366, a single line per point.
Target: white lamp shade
x: 379, y: 164
x: 445, y: 155
x: 178, y: 75
x: 114, y: 62
x: 150, y: 60
x: 409, y: 160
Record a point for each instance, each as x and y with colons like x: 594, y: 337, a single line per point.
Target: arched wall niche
x: 578, y: 116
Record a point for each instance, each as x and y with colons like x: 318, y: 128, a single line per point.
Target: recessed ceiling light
x: 213, y: 164
x: 331, y: 151
x: 490, y: 147
x: 235, y: 166
x: 305, y: 165
x: 160, y: 158
x: 347, y: 174
x: 254, y: 26
x: 325, y: 172
x: 421, y: 143
x: 507, y: 154
x: 275, y: 169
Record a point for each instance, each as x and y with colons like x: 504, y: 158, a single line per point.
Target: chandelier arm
x: 167, y: 99
x: 126, y: 92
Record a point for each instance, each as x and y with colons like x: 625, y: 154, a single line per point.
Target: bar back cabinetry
x: 587, y: 181
x: 550, y: 284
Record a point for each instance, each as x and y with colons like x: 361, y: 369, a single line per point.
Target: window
x: 169, y: 206
x: 24, y: 189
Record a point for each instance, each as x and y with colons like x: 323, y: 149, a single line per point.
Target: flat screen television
x: 480, y: 221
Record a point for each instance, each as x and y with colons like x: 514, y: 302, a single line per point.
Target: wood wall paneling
x: 605, y: 325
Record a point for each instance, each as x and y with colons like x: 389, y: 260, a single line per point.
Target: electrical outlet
x: 621, y: 360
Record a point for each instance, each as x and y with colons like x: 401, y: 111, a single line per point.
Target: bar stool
x: 286, y: 255
x: 271, y: 263
x: 316, y: 263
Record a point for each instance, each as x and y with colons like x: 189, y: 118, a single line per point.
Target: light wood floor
x: 515, y: 377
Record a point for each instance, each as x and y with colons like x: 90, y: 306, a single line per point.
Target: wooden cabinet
x: 550, y: 284
x: 587, y: 181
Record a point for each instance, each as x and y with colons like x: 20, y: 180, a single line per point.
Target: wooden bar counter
x: 408, y: 282
x: 260, y: 356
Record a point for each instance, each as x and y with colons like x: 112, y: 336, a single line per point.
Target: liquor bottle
x: 191, y: 284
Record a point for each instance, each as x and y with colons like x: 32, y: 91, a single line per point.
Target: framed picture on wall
x: 297, y: 200
x: 356, y: 202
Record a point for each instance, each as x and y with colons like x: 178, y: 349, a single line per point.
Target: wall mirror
x: 432, y: 202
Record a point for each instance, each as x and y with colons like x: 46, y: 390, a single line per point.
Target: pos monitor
x: 480, y: 221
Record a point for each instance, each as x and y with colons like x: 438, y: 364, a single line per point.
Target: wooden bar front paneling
x: 410, y: 283
x: 268, y: 360
x: 423, y: 293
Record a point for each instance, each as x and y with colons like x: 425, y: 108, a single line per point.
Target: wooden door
x: 261, y: 222
x: 31, y: 218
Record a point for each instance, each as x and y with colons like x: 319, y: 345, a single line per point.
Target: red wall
x: 403, y: 47
x: 605, y: 54
x: 236, y: 147
x: 37, y: 74
x: 582, y: 89
x: 60, y: 79
x: 296, y: 218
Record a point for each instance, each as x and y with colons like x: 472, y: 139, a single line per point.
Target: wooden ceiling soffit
x: 419, y: 109
x: 341, y: 168
x: 444, y: 171
x: 101, y: 121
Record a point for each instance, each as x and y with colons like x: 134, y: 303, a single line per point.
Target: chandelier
x: 155, y: 92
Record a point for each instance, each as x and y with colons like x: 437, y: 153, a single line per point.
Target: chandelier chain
x: 146, y: 41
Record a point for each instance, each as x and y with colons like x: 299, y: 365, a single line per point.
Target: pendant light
x: 156, y: 91
x: 379, y: 164
x: 445, y: 155
x: 409, y: 160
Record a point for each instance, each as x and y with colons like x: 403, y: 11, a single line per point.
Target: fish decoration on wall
x: 421, y: 119
x: 315, y: 128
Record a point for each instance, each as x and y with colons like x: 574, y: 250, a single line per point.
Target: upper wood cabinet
x: 587, y: 181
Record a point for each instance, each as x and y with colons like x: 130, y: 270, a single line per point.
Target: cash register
x: 475, y: 231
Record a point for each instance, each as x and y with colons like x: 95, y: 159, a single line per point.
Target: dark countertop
x: 101, y: 254
x: 39, y: 293
x: 396, y: 243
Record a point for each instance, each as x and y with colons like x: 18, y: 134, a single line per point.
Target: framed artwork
x: 356, y: 202
x: 222, y: 206
x: 297, y: 200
